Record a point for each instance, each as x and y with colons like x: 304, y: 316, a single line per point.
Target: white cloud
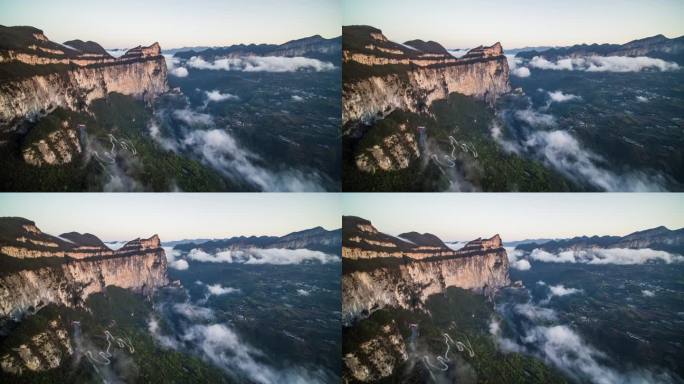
x: 173, y: 68
x: 218, y: 289
x: 560, y: 97
x: 165, y: 341
x: 277, y: 256
x: 521, y: 265
x: 261, y: 64
x: 560, y: 290
x: 303, y: 292
x: 642, y: 99
x: 508, y: 146
x: 514, y: 64
x: 297, y: 98
x: 220, y: 150
x: 217, y: 96
x: 647, y: 293
x: 533, y: 312
x: 191, y: 117
x: 193, y: 312
x: 563, y: 152
x: 618, y: 256
x: 605, y: 64
x: 155, y: 133
x: 173, y: 261
x: 535, y: 118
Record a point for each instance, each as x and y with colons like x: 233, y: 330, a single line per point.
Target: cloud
x: 218, y: 289
x: 303, y: 292
x: 155, y: 133
x: 534, y: 312
x: 276, y: 256
x: 165, y: 341
x: 515, y: 259
x: 560, y: 97
x: 191, y: 117
x: 647, y: 293
x: 179, y: 72
x: 262, y: 64
x: 560, y: 290
x: 193, y: 312
x: 617, y: 256
x: 535, y: 118
x: 173, y: 261
x: 220, y: 150
x: 521, y: 265
x: 508, y: 146
x: 217, y: 96
x: 297, y: 98
x: 562, y: 151
x: 514, y: 64
x: 605, y: 64
x: 642, y: 99
x: 173, y: 68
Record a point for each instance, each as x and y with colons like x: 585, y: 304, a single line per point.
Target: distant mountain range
x: 659, y: 238
x: 657, y: 46
x: 317, y: 239
x: 314, y: 47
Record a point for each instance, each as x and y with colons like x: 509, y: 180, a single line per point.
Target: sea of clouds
x: 617, y: 256
x: 276, y: 256
x: 540, y: 332
x: 261, y: 64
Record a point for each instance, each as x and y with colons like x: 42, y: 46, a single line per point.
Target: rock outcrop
x: 66, y: 272
x: 57, y: 147
x: 382, y: 76
x: 384, y: 271
x: 45, y: 75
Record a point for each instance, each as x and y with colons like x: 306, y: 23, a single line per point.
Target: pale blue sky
x: 467, y: 23
x: 174, y: 216
x: 516, y: 216
x: 176, y: 23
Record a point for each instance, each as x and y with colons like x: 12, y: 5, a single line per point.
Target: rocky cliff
x: 40, y: 75
x: 43, y: 269
x: 381, y: 270
x: 381, y: 75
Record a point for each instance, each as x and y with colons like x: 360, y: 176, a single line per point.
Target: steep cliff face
x: 388, y: 76
x: 53, y: 77
x: 139, y: 265
x: 405, y: 276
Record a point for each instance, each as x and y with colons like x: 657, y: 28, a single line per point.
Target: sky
x: 174, y: 216
x: 175, y: 23
x: 516, y: 216
x: 519, y: 23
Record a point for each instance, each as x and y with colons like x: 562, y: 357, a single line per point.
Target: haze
x: 125, y: 216
x: 175, y: 23
x: 467, y: 216
x: 466, y: 24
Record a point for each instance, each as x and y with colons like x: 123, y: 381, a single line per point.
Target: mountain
x: 381, y: 76
x: 39, y: 269
x: 39, y: 75
x: 315, y: 47
x: 540, y: 48
x: 659, y: 238
x: 657, y: 46
x: 380, y: 270
x: 317, y: 239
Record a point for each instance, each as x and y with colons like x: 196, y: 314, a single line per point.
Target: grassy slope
x: 461, y: 314
x: 468, y: 121
x: 125, y: 118
x: 124, y: 314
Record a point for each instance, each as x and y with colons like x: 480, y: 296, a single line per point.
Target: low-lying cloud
x: 560, y: 97
x: 173, y: 259
x: 516, y: 68
x: 604, y: 64
x: 218, y: 290
x: 217, y: 96
x: 173, y: 66
x: 277, y: 256
x: 261, y: 64
x: 617, y: 256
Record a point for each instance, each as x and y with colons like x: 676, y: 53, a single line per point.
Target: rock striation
x: 40, y: 75
x: 65, y: 270
x: 381, y: 76
x: 380, y: 270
